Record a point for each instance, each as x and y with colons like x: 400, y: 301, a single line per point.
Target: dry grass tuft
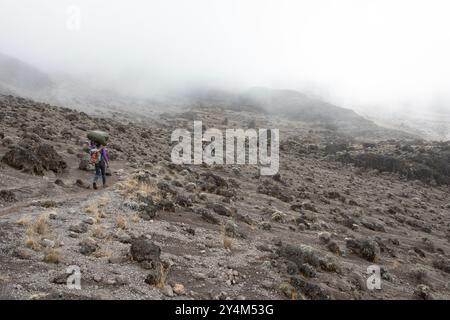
x: 32, y: 243
x: 227, y: 243
x: 147, y: 189
x: 131, y: 187
x: 38, y: 296
x: 121, y: 222
x: 3, y: 278
x: 24, y: 221
x: 95, y: 210
x: 35, y: 231
x: 91, y: 209
x: 164, y: 273
x: 127, y: 187
x: 103, y: 201
x: 102, y: 253
x: 40, y: 225
x: 294, y: 295
x: 135, y: 218
x: 99, y: 232
x: 52, y: 256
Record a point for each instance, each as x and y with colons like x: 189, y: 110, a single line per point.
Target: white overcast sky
x: 376, y: 53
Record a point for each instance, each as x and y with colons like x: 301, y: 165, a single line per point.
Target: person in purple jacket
x: 101, y: 165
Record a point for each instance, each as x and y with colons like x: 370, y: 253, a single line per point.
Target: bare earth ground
x: 224, y: 231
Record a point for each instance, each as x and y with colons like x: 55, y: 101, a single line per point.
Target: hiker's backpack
x: 95, y: 156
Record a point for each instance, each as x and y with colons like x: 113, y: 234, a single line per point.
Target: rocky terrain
x: 165, y: 231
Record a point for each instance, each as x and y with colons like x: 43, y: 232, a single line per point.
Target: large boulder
x: 146, y: 252
x: 23, y: 158
x: 85, y: 164
x: 88, y: 246
x: 50, y: 159
x: 34, y: 158
x: 7, y: 196
x: 148, y: 255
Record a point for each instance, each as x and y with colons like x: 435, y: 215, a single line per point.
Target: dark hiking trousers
x: 100, y: 171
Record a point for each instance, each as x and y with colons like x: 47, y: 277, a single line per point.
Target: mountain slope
x: 21, y: 78
x: 298, y: 106
x: 167, y: 231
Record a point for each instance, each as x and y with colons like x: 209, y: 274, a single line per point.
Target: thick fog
x: 388, y: 55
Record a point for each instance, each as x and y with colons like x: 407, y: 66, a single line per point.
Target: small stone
x: 116, y: 259
x: 79, y: 228
x: 291, y: 267
x: 277, y: 242
x: 80, y: 183
x: 73, y: 234
x: 287, y: 289
x: 60, y: 183
x: 190, y: 187
x: 47, y: 243
x: 89, y: 220
x: 97, y: 278
x: 23, y: 253
x: 309, y: 206
x: 167, y: 291
x: 121, y: 280
x: 266, y: 225
x: 199, y: 276
x: 154, y: 277
x: 52, y: 216
x: 230, y: 229
x: 60, y: 278
x: 277, y: 216
x: 423, y: 292
x: 209, y: 217
x: 222, y: 210
x: 178, y: 289
x: 307, y: 270
x: 325, y: 237
x: 203, y: 196
x: 358, y: 280
x: 222, y: 296
x: 334, y: 247
x: 171, y: 228
x: 88, y: 246
x: 266, y: 284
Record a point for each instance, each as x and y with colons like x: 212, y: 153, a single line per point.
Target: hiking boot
x: 95, y: 186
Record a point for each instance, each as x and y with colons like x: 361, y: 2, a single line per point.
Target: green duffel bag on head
x: 98, y: 137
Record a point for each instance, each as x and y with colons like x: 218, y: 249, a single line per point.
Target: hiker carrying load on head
x: 99, y: 155
x: 100, y: 158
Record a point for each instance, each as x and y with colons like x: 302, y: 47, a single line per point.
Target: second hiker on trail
x: 99, y: 155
